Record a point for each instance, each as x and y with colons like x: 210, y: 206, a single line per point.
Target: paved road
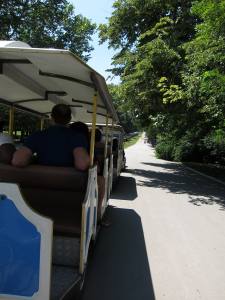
x: 167, y: 241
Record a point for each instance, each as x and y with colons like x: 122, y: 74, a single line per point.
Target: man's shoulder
x: 34, y: 138
x: 37, y: 134
x: 78, y: 140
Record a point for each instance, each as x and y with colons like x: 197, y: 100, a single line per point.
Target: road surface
x: 167, y: 240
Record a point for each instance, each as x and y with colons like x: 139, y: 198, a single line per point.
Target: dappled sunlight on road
x: 175, y: 178
x: 167, y: 231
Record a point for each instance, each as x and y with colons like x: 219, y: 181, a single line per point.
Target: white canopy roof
x: 36, y: 79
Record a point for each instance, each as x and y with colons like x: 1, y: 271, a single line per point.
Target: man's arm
x: 22, y: 157
x: 81, y: 159
x: 6, y: 153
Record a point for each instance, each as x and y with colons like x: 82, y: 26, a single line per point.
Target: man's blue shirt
x: 54, y: 146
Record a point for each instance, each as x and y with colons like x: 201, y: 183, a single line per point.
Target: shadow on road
x: 177, y: 179
x: 125, y: 189
x: 165, y: 165
x: 119, y: 268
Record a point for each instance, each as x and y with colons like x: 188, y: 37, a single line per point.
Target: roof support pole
x: 111, y: 145
x: 42, y: 123
x: 106, y: 135
x: 92, y: 148
x: 11, y: 120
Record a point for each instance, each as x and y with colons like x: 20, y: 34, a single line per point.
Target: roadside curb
x: 204, y: 175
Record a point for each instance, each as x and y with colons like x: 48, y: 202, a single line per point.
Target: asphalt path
x: 167, y: 239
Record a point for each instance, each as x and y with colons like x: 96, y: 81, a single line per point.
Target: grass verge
x: 132, y: 141
x: 209, y: 169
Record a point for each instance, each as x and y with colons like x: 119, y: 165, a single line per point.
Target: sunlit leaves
x: 172, y: 66
x: 171, y: 93
x: 46, y: 23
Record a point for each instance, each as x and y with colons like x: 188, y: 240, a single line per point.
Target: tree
x: 46, y: 23
x: 149, y: 35
x: 204, y: 77
x: 172, y: 66
x: 131, y: 18
x: 205, y: 73
x: 126, y: 115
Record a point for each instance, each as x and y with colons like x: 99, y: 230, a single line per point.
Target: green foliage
x: 132, y: 141
x: 25, y: 123
x: 186, y: 149
x: 149, y: 34
x: 165, y: 147
x: 162, y: 30
x: 126, y: 116
x: 131, y: 18
x: 171, y: 59
x: 171, y: 93
x: 213, y: 14
x: 46, y: 23
x: 214, y: 146
x: 151, y: 132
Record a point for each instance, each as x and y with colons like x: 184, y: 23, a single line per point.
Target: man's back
x: 54, y: 146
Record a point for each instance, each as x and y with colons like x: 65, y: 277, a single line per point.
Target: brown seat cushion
x: 62, y: 206
x: 45, y: 177
x: 66, y: 222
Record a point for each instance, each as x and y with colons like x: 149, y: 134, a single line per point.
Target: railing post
x: 42, y: 123
x: 106, y: 135
x: 94, y: 114
x: 111, y: 138
x: 11, y: 120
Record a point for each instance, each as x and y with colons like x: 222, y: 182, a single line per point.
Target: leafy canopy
x: 171, y: 59
x: 46, y: 23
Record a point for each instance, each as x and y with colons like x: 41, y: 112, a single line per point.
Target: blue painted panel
x: 19, y: 252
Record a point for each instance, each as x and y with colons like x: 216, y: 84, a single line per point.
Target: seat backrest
x: 52, y: 191
x: 36, y: 176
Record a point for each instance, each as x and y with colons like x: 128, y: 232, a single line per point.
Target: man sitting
x: 55, y: 146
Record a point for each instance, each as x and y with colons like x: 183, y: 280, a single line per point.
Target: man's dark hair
x: 61, y: 114
x: 2, y: 124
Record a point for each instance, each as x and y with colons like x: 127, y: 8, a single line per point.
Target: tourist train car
x: 119, y: 159
x: 48, y: 215
x: 113, y: 138
x: 116, y: 141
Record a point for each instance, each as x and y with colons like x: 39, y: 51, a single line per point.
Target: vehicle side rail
x: 106, y: 176
x: 89, y: 217
x: 110, y: 180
